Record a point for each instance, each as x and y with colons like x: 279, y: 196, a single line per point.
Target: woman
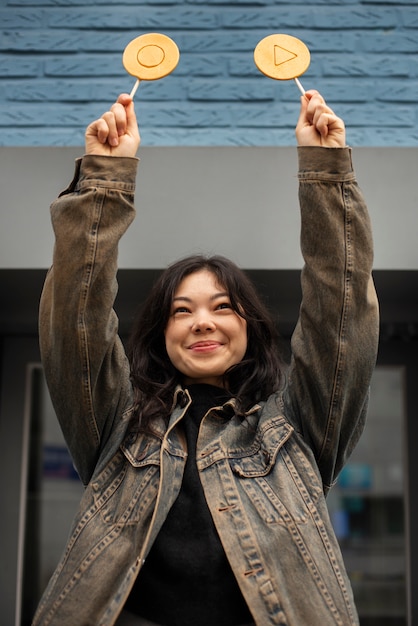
x: 206, y: 473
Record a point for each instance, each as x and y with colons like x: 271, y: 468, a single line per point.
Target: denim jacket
x: 265, y: 478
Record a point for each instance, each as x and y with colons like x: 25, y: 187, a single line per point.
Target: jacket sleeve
x: 84, y: 361
x: 334, y: 344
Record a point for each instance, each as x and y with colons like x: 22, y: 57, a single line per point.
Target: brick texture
x: 61, y: 67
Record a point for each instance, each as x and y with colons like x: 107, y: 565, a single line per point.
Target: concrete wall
x: 241, y: 202
x: 61, y: 65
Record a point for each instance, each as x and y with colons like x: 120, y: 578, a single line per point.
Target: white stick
x: 301, y: 89
x: 134, y: 88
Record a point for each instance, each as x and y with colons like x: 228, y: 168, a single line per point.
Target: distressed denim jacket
x: 265, y: 478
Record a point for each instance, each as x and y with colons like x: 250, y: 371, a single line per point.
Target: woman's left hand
x: 116, y: 132
x: 318, y: 125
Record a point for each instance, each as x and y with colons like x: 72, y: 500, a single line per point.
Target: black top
x: 186, y: 579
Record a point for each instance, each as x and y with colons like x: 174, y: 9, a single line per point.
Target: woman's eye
x: 224, y: 305
x: 181, y: 309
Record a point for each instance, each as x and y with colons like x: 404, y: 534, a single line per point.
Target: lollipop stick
x: 301, y: 89
x: 134, y: 88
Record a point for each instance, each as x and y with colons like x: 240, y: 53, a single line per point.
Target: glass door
x: 367, y: 506
x: 53, y: 491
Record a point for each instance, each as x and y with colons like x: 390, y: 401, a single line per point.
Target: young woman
x: 206, y: 468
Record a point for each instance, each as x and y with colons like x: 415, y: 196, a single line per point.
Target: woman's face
x: 204, y: 335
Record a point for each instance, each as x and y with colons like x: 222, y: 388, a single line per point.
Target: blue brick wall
x: 61, y: 66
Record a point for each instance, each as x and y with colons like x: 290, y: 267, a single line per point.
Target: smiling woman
x: 203, y: 320
x: 206, y: 469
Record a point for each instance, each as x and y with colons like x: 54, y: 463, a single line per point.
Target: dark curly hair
x: 154, y: 377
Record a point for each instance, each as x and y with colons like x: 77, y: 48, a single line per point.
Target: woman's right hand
x: 116, y: 132
x: 318, y: 125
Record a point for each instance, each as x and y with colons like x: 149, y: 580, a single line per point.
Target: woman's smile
x: 205, y: 346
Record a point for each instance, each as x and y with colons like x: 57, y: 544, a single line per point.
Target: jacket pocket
x: 126, y: 489
x: 277, y: 478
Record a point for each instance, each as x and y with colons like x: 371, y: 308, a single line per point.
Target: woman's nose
x: 203, y: 324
